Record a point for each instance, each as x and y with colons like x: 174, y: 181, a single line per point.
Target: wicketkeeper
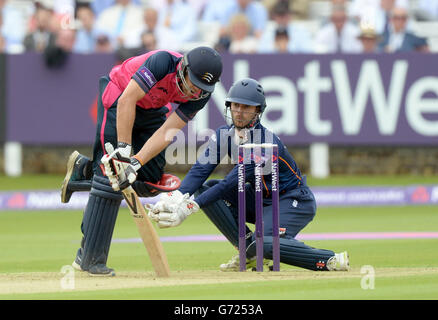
x: 219, y: 198
x: 133, y: 129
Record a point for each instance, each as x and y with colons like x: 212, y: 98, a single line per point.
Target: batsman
x: 244, y: 106
x: 134, y: 126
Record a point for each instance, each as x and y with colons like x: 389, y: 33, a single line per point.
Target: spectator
x: 64, y: 11
x: 148, y: 41
x: 85, y: 35
x: 215, y: 10
x: 2, y: 44
x: 398, y: 38
x: 99, y: 6
x: 254, y: 11
x: 150, y: 18
x: 103, y: 44
x: 339, y: 35
x: 241, y: 40
x: 178, y: 18
x: 12, y: 28
x: 369, y: 40
x: 299, y: 8
x: 375, y: 12
x: 57, y: 52
x: 2, y: 38
x: 300, y: 38
x: 428, y: 9
x: 118, y: 21
x: 281, y: 44
x: 165, y: 38
x: 43, y: 34
x: 198, y: 6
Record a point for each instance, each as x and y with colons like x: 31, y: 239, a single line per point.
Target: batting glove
x: 123, y: 148
x: 120, y: 168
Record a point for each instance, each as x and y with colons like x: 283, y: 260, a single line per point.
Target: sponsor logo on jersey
x: 147, y: 77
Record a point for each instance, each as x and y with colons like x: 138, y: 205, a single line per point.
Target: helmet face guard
x: 251, y: 123
x: 182, y: 85
x: 248, y: 92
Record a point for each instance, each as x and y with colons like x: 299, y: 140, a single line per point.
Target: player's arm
x: 230, y: 182
x: 161, y: 138
x: 122, y: 169
x: 126, y: 111
x: 205, y: 165
x: 164, y: 135
x: 173, y: 208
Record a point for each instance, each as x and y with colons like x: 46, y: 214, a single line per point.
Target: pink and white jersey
x: 155, y: 73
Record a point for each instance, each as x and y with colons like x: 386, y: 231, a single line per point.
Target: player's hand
x: 173, y: 214
x: 120, y: 168
x: 166, y: 202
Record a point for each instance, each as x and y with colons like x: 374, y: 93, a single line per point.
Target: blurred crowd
x: 131, y: 27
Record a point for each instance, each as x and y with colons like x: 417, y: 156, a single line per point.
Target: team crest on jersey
x: 207, y: 77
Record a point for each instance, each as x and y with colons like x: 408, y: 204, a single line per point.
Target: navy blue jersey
x: 222, y: 144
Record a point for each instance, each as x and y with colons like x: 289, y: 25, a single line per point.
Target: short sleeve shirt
x: 155, y: 73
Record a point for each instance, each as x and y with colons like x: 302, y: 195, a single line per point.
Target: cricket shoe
x: 339, y: 262
x: 78, y: 167
x: 76, y: 266
x: 234, y: 264
x: 99, y: 270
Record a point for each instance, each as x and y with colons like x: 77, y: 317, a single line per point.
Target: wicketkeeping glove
x: 166, y: 202
x: 120, y: 168
x: 173, y: 210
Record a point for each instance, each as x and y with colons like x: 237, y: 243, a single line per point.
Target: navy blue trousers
x: 297, y: 208
x: 103, y: 204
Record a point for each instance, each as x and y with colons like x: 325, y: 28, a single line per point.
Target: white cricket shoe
x: 234, y: 264
x: 76, y: 266
x: 339, y: 262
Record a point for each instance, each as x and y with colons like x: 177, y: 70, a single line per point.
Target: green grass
x: 386, y: 180
x: 31, y: 182
x: 45, y: 241
x: 33, y: 242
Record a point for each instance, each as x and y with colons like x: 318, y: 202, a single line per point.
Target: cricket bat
x: 147, y: 232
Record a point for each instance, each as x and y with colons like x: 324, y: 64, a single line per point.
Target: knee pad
x: 98, y: 223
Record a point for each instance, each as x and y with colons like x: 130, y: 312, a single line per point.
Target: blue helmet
x: 204, y: 68
x: 247, y: 91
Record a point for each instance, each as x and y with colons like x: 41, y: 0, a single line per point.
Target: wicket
x: 259, y: 205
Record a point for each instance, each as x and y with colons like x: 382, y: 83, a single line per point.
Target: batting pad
x: 98, y: 223
x: 295, y: 253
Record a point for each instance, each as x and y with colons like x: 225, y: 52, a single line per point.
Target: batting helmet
x: 203, y: 66
x: 247, y: 91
